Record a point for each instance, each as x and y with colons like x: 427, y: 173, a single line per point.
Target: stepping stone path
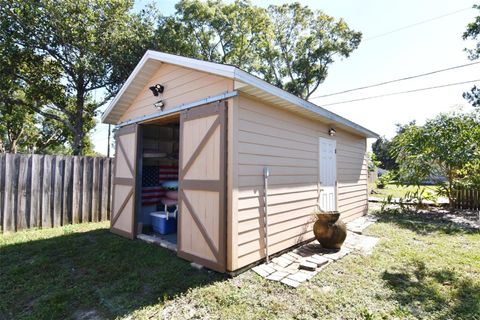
x: 360, y: 224
x: 303, y: 263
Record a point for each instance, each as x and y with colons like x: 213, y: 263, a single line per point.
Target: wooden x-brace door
x: 202, y: 218
x: 124, y: 182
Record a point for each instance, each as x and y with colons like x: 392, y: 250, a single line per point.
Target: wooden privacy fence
x: 49, y: 191
x: 467, y: 199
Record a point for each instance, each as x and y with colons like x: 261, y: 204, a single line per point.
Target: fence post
x: 67, y: 191
x: 96, y: 196
x: 2, y: 190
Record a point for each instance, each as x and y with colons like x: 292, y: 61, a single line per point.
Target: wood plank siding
x: 182, y: 85
x: 43, y: 191
x: 288, y: 145
x: 259, y: 135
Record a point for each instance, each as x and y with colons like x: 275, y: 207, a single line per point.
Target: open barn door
x: 124, y: 182
x: 202, y: 217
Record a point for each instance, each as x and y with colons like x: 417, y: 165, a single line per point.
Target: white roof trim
x: 125, y: 86
x: 210, y: 67
x: 235, y: 74
x: 267, y: 87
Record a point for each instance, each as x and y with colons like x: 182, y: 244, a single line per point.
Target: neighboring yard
x: 398, y: 191
x: 422, y: 268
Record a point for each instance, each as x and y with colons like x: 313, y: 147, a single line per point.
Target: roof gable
x: 244, y: 82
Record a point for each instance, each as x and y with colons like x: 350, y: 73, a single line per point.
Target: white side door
x: 327, y: 175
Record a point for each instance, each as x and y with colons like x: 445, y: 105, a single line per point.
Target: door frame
x: 336, y: 168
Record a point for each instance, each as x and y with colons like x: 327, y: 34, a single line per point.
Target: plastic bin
x: 162, y: 223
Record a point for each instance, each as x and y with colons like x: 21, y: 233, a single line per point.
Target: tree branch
x: 52, y: 116
x: 99, y: 86
x: 46, y: 143
x: 105, y: 100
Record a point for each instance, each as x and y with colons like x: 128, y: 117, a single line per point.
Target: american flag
x: 152, y: 178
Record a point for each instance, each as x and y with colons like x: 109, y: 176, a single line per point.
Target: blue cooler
x: 163, y: 223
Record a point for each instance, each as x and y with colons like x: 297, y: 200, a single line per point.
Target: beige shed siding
x: 352, y: 176
x: 288, y: 145
x: 182, y: 85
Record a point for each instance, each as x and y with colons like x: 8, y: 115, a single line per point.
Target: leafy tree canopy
x: 70, y: 49
x: 288, y: 45
x: 60, y: 53
x: 20, y: 129
x: 447, y: 146
x: 473, y: 33
x: 382, y: 149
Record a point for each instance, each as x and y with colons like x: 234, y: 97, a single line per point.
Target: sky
x: 385, y: 54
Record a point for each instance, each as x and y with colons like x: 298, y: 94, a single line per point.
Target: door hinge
x: 335, y: 150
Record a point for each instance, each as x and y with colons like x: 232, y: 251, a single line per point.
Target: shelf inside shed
x: 155, y: 155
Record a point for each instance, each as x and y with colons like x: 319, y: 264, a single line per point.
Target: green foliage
x: 447, y: 147
x: 288, y: 45
x: 67, y: 272
x: 19, y: 124
x: 424, y: 267
x: 304, y: 44
x: 61, y: 53
x: 231, y: 33
x: 385, y: 202
x: 384, y: 179
x: 473, y: 33
x: 473, y: 96
x: 471, y: 174
x: 382, y: 148
x: 70, y: 49
x: 373, y: 163
x: 20, y: 132
x: 416, y: 198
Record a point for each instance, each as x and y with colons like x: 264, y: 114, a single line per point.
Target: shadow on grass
x: 423, y: 222
x: 90, y: 275
x: 416, y: 287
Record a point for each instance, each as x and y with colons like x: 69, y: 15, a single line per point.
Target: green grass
x: 84, y: 270
x: 399, y: 191
x: 423, y: 268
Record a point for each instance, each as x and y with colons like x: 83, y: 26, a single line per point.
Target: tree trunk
x: 77, y: 145
x: 78, y: 132
x: 13, y: 138
x: 13, y: 146
x: 451, y: 199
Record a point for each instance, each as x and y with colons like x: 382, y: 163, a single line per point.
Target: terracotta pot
x: 329, y: 230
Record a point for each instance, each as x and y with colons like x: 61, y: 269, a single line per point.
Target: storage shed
x: 217, y: 130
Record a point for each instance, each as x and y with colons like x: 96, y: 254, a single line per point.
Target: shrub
x: 384, y: 179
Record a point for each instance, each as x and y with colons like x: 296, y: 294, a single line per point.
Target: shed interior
x: 157, y: 207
